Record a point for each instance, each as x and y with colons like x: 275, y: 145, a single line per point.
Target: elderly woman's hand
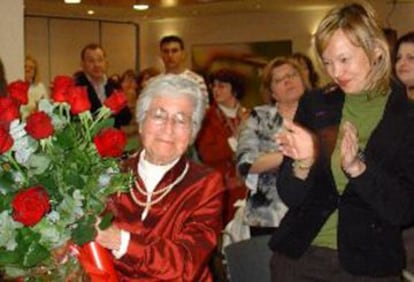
x: 109, y: 238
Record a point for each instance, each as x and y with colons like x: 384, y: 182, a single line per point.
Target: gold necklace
x: 162, y: 193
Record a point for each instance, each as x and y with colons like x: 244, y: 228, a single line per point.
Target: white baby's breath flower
x: 8, y: 231
x: 53, y: 216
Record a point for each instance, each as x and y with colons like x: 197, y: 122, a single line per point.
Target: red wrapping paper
x: 96, y: 261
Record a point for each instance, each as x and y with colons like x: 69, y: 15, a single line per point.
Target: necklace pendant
x: 144, y: 213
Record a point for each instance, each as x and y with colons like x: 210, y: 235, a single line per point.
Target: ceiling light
x: 140, y: 6
x: 91, y: 12
x: 72, y: 1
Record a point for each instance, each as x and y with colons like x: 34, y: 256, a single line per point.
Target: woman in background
x: 404, y: 69
x: 349, y: 182
x: 216, y: 144
x: 258, y: 157
x: 37, y: 90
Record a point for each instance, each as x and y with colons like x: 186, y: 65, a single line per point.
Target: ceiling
x: 121, y: 10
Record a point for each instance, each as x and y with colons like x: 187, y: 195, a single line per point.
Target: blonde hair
x: 267, y: 76
x: 36, y: 76
x: 358, y: 21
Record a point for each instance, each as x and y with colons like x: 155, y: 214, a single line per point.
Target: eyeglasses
x: 290, y: 75
x: 159, y: 116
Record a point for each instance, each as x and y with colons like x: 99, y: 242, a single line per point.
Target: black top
x: 373, y: 206
x: 122, y: 118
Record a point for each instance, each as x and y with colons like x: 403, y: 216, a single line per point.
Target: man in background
x: 99, y: 87
x: 173, y: 56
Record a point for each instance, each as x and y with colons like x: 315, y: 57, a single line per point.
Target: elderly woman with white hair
x: 166, y: 226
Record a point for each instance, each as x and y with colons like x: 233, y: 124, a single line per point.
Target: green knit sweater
x: 365, y: 113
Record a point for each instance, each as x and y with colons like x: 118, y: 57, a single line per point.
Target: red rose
x: 9, y: 110
x: 18, y: 90
x: 116, y: 101
x: 61, y: 84
x: 29, y: 206
x: 110, y: 142
x: 6, y: 141
x: 78, y: 99
x: 39, y: 125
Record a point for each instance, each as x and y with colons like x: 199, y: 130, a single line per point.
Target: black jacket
x: 373, y: 206
x: 122, y: 118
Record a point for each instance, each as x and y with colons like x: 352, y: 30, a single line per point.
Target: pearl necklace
x: 162, y: 193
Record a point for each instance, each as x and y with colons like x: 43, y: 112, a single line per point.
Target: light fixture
x: 140, y: 5
x: 72, y: 1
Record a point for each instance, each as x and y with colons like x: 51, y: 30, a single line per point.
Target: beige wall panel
x: 37, y: 44
x: 11, y: 38
x: 67, y: 38
x: 120, y: 42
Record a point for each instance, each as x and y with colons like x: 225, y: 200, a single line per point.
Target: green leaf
x: 9, y: 257
x: 102, y: 124
x: 106, y: 221
x: 35, y: 254
x: 84, y: 231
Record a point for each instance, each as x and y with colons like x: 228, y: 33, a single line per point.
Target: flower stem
x: 17, y: 167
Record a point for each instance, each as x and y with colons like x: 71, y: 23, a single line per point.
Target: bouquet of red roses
x: 56, y: 169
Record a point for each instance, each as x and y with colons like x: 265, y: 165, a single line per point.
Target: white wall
x: 11, y: 38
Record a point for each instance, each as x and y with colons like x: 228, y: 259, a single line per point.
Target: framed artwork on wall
x: 246, y: 58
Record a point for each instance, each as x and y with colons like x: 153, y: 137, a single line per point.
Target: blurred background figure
x: 217, y: 141
x: 37, y: 90
x: 404, y: 69
x: 308, y: 68
x: 115, y: 79
x: 258, y: 156
x: 128, y: 84
x: 94, y: 77
x: 173, y: 56
x: 3, y: 80
x: 144, y: 76
x: 404, y: 62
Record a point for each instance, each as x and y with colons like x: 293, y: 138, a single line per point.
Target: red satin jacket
x: 179, y: 234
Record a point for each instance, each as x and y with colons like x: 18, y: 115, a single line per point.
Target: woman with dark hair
x: 217, y: 141
x: 404, y: 70
x: 404, y: 62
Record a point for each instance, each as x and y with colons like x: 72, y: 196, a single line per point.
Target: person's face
x: 94, y: 63
x: 286, y: 85
x: 172, y: 55
x: 404, y: 66
x: 348, y: 65
x: 166, y: 129
x: 129, y: 85
x: 222, y: 92
x: 29, y: 70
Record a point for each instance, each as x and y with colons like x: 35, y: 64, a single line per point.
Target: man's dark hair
x: 90, y: 46
x: 171, y: 39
